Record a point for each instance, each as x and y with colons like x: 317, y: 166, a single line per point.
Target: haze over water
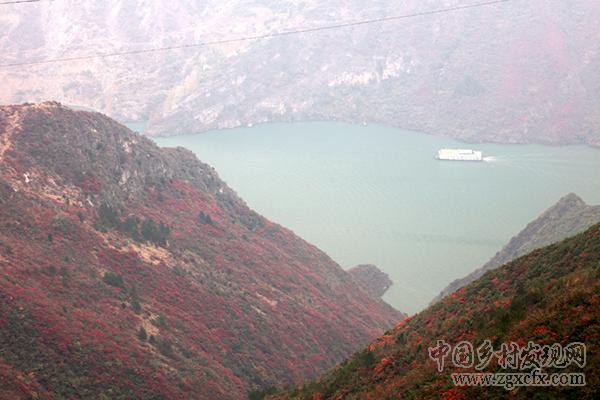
x: 374, y: 194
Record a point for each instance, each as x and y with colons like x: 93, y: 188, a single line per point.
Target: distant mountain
x: 551, y: 295
x: 371, y: 279
x: 131, y: 271
x: 566, y: 218
x: 516, y: 72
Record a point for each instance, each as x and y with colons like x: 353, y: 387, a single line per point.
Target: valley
x: 299, y: 200
x: 375, y: 194
x: 549, y: 296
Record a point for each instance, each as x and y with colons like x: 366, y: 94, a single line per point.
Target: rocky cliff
x: 372, y: 279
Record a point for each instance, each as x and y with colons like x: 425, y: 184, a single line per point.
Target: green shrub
x: 159, y: 321
x: 142, y: 335
x: 165, y: 347
x: 60, y: 223
x: 151, y: 232
x: 205, y: 218
x: 113, y: 279
x: 261, y: 394
x: 106, y: 217
x: 136, y: 306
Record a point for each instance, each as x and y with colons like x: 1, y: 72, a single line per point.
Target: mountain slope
x: 130, y: 271
x: 513, y: 72
x: 569, y: 216
x: 551, y: 295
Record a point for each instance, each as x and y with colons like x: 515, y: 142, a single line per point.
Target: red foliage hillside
x: 549, y: 296
x: 130, y: 271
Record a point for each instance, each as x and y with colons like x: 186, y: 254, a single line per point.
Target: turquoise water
x: 374, y: 194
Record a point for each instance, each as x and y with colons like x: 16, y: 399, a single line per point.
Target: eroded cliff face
x: 372, y: 279
x: 131, y: 271
x: 515, y: 72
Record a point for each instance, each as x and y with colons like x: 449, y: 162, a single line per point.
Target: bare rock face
x: 371, y: 279
x: 515, y: 72
x: 569, y: 216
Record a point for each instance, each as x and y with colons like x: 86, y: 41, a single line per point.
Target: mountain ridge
x: 569, y: 216
x: 550, y: 295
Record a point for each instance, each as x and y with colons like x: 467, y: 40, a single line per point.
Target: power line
x: 255, y: 37
x: 22, y: 1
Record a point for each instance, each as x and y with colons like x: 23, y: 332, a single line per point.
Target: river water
x: 375, y: 194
